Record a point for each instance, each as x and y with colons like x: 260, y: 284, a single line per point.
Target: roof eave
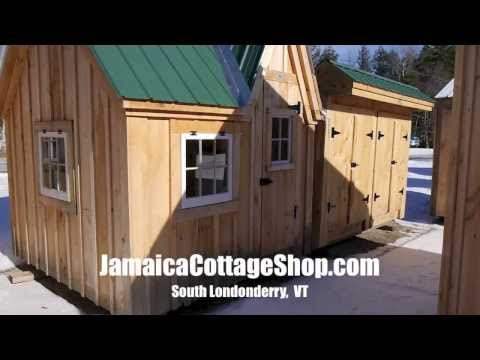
x: 377, y: 94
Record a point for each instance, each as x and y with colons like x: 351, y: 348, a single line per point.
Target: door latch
x: 375, y: 196
x: 380, y: 135
x: 330, y: 206
x: 335, y: 132
x: 366, y: 199
x: 405, y: 137
x: 354, y: 164
x: 265, y: 181
x: 393, y: 162
x: 370, y: 134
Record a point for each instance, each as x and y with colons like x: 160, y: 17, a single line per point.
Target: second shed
x: 362, y: 152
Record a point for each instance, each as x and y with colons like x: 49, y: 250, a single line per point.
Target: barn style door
x: 362, y: 164
x: 401, y: 144
x: 282, y: 158
x: 383, y: 164
x: 340, y: 145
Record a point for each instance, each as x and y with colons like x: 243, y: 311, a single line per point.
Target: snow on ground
x: 407, y: 284
x: 27, y: 298
x: 409, y: 268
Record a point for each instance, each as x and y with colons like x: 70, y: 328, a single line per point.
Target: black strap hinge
x: 295, y: 107
x: 335, y: 132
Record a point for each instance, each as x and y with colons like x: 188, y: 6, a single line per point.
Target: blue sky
x: 349, y: 53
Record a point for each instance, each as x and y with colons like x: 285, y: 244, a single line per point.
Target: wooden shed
x: 442, y: 149
x: 362, y: 151
x: 134, y: 151
x: 460, y: 272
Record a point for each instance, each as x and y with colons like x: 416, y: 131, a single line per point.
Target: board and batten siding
x: 60, y: 83
x: 459, y: 285
x: 158, y: 224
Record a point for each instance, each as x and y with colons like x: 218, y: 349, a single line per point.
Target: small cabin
x: 134, y: 151
x: 442, y: 149
x: 361, y: 163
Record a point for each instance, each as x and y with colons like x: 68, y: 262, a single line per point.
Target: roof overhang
x: 373, y: 93
x: 332, y: 81
x: 152, y: 109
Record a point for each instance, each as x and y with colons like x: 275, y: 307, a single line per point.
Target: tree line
x: 429, y: 69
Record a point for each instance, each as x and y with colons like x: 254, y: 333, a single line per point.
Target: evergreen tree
x: 381, y: 62
x: 363, y: 59
x: 328, y: 53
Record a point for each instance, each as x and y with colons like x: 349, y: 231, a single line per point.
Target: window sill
x: 183, y: 215
x: 281, y: 167
x: 68, y: 207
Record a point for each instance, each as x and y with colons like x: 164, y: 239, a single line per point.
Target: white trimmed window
x: 206, y: 169
x: 281, y: 140
x: 53, y: 164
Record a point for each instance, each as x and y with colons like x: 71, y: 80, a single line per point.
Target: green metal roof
x: 248, y: 57
x: 381, y: 82
x: 190, y: 74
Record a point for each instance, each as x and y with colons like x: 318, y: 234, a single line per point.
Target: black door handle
x: 375, y: 197
x: 393, y: 162
x: 366, y: 199
x: 405, y: 137
x: 354, y: 164
x: 330, y: 206
x: 402, y: 191
x: 265, y: 181
x: 370, y: 134
x: 380, y: 135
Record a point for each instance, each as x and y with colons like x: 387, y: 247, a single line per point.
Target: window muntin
x: 206, y: 169
x: 53, y: 165
x: 281, y: 140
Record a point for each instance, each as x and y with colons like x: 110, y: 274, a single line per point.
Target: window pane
x: 284, y: 150
x: 275, y: 154
x: 45, y: 148
x: 221, y: 157
x: 54, y: 176
x: 53, y: 143
x: 207, y: 153
x: 275, y: 128
x: 221, y: 177
x: 207, y: 181
x: 192, y: 185
x: 61, y: 150
x: 62, y: 178
x: 46, y: 175
x: 285, y: 126
x: 192, y: 153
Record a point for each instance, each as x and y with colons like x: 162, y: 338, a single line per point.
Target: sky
x: 349, y: 52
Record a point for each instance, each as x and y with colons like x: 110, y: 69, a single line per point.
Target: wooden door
x: 382, y: 173
x: 365, y: 127
x: 401, y: 146
x: 282, y: 180
x: 340, y: 145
